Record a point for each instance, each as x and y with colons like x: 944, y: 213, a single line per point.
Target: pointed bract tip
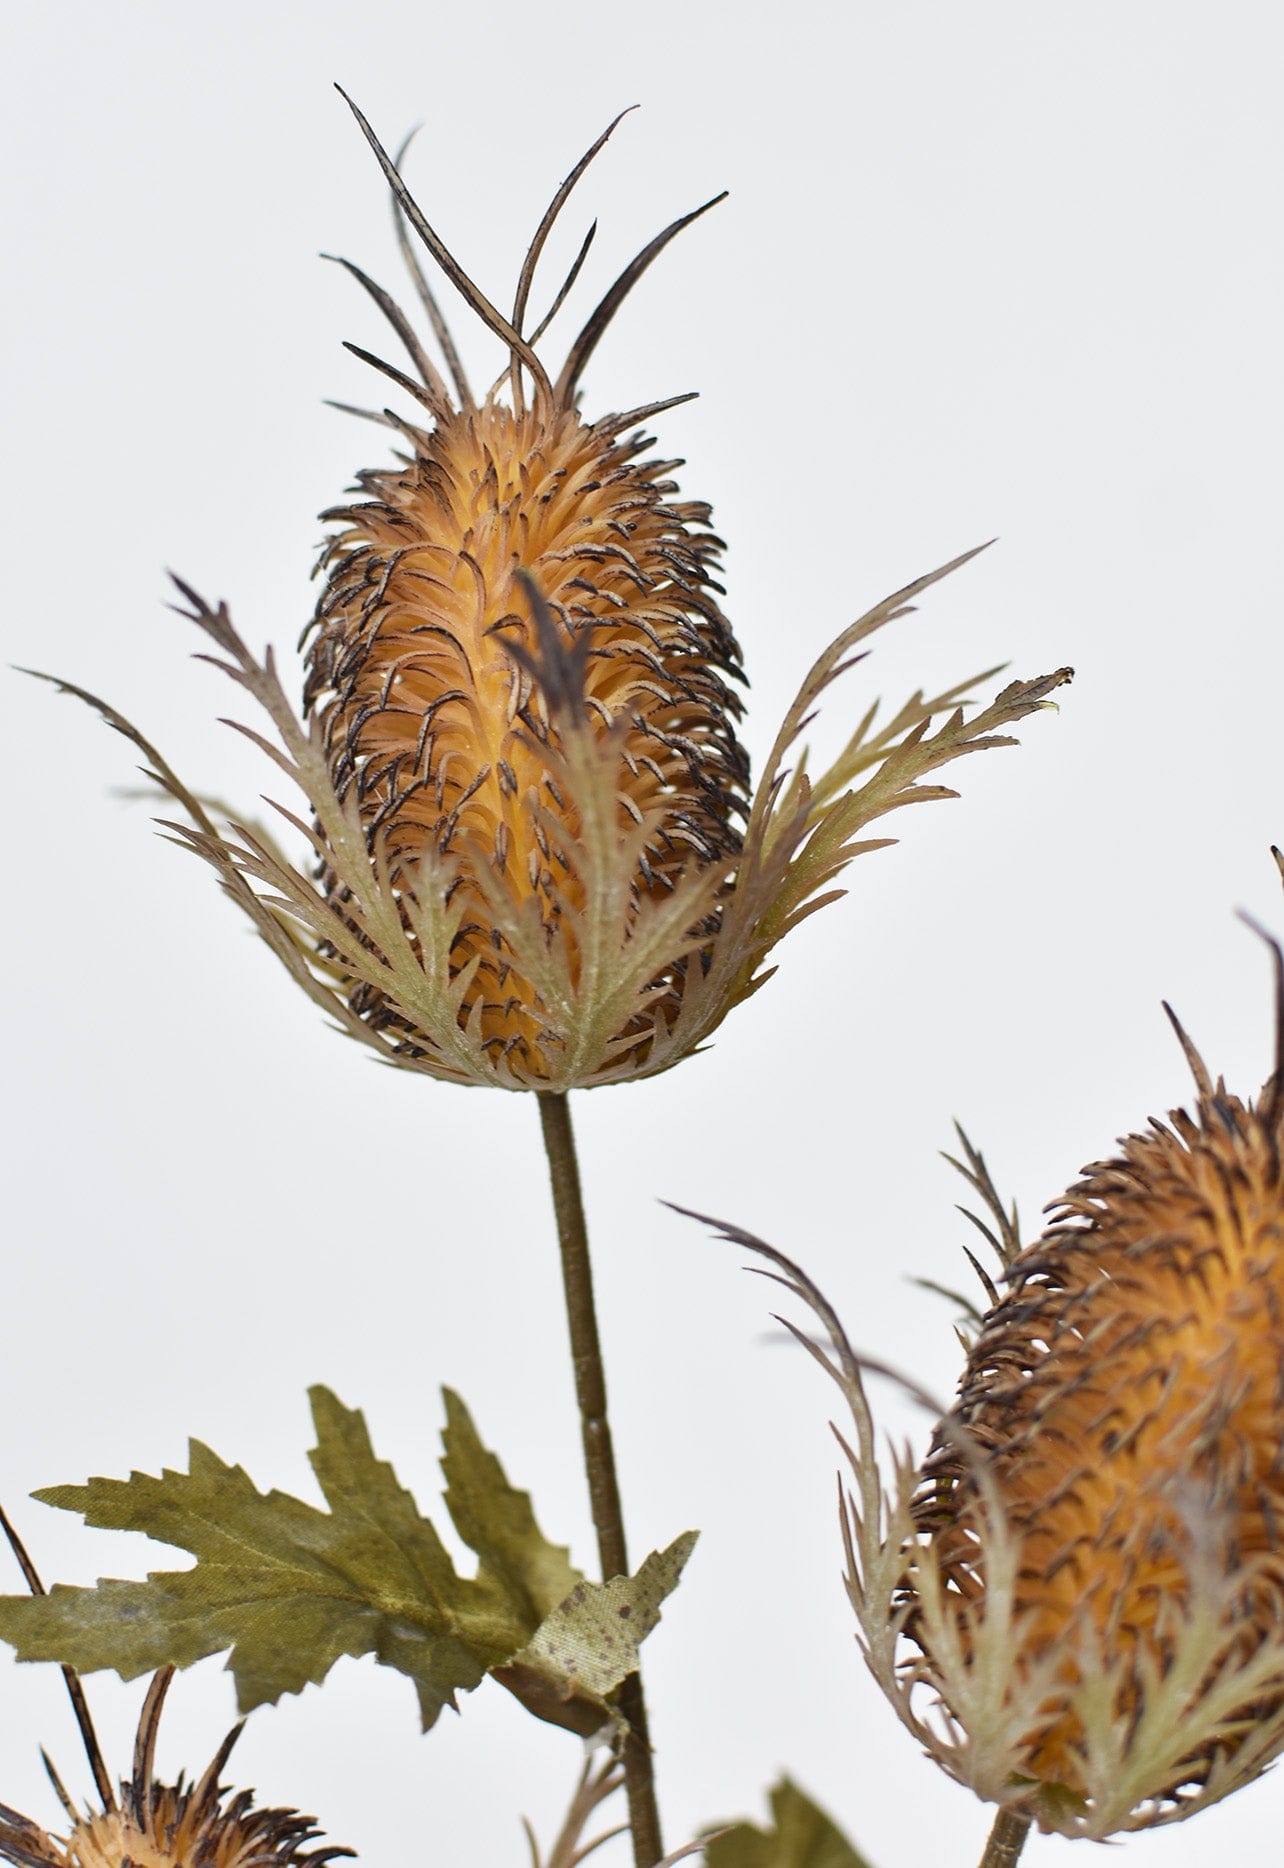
x: 1198, y: 1068
x: 1272, y: 1102
x: 558, y: 670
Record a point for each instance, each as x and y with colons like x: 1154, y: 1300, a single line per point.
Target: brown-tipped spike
x: 140, y: 1788
x: 427, y: 297
x: 60, y: 1789
x: 987, y: 1282
x: 493, y: 318
x: 558, y: 670
x: 566, y: 284
x: 19, y: 1549
x: 616, y: 424
x: 1272, y: 1098
x: 1198, y: 1068
x: 75, y: 1690
x: 206, y: 1792
x: 589, y: 338
x: 554, y: 208
x: 431, y: 378
x: 425, y: 397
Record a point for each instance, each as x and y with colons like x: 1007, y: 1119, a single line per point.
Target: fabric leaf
x: 498, y: 1522
x: 800, y: 1836
x: 290, y: 1588
x: 589, y: 1644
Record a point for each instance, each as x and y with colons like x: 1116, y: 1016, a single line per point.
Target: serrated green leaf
x: 498, y: 1522
x: 290, y: 1588
x: 801, y: 1836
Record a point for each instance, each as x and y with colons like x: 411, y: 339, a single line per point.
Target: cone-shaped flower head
x: 1076, y: 1604
x: 152, y: 1825
x: 1095, y: 1564
x: 447, y: 720
x: 537, y: 861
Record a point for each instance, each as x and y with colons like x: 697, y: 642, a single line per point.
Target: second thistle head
x: 1076, y: 1603
x: 1095, y: 1579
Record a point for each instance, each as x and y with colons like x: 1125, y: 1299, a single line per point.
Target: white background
x: 987, y: 269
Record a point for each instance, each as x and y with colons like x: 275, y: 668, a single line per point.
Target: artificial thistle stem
x: 1007, y: 1839
x: 599, y: 1456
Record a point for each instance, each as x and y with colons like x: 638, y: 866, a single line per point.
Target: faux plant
x: 1076, y: 1603
x: 531, y: 859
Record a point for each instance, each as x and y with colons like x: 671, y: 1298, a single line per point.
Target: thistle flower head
x: 536, y: 860
x: 152, y: 1825
x: 523, y: 583
x: 1092, y: 1595
x: 1076, y: 1604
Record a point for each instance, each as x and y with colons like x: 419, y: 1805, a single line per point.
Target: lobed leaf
x: 497, y: 1521
x: 289, y: 1588
x: 800, y: 1836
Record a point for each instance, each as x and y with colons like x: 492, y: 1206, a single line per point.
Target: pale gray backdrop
x: 986, y: 269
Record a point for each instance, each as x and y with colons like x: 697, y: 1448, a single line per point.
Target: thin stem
x: 599, y: 1457
x: 593, y: 1788
x: 1007, y: 1839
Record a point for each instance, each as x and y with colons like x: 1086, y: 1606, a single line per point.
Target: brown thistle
x: 147, y: 1824
x: 439, y: 712
x: 1122, y: 1411
x: 1076, y: 1604
x: 153, y: 1825
x: 537, y: 861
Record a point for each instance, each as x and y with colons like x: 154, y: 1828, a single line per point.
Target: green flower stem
x: 1007, y: 1839
x: 599, y: 1458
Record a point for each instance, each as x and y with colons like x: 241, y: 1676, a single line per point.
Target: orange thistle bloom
x: 1119, y: 1426
x: 1076, y: 1605
x: 538, y: 864
x: 153, y: 1825
x: 436, y: 715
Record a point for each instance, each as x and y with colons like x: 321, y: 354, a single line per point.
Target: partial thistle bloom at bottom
x: 154, y: 1825
x: 536, y: 862
x: 1076, y: 1604
x: 1109, y: 1489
